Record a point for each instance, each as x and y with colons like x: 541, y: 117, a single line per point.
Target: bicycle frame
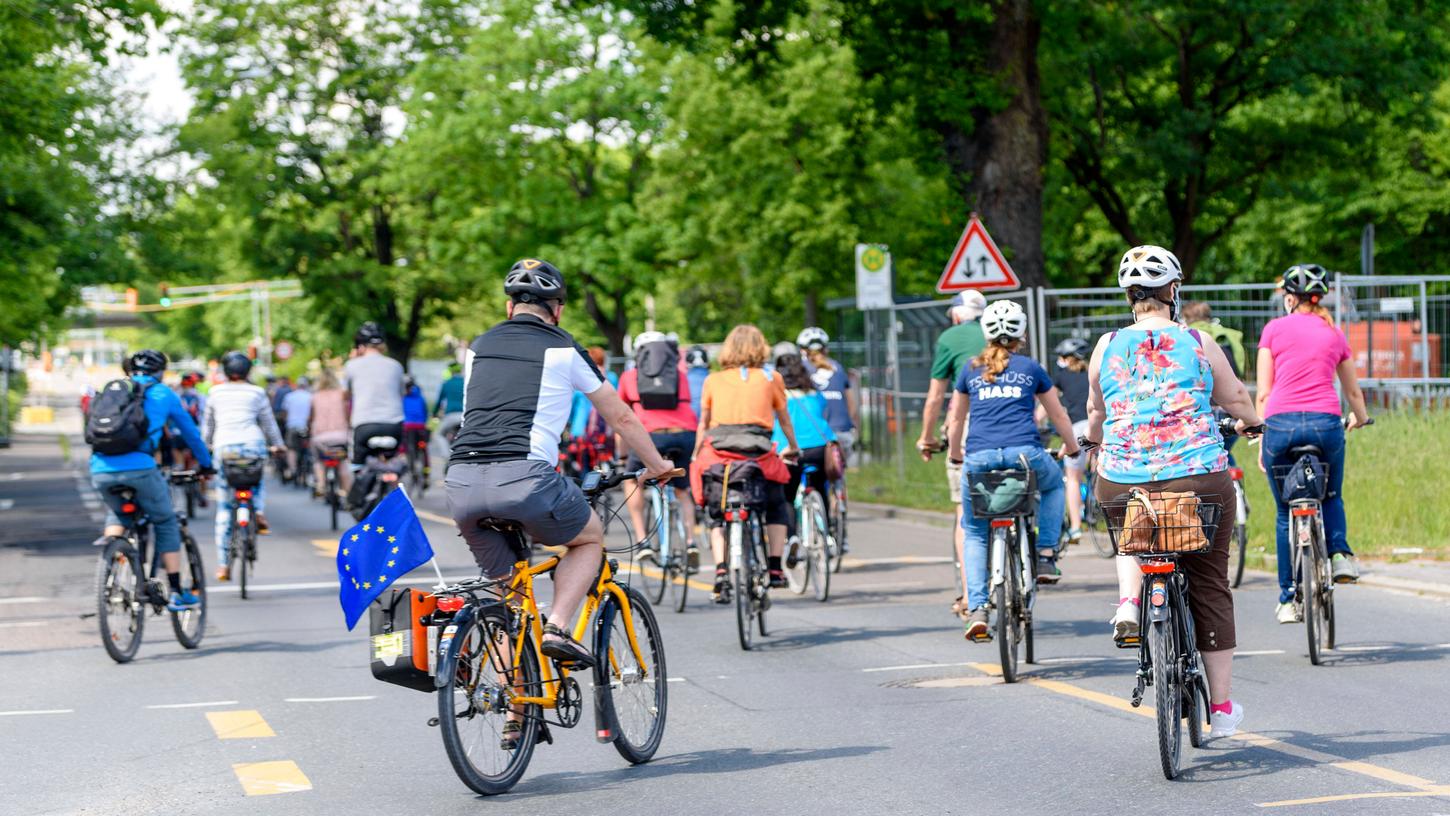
x: 664, y: 504
x: 1001, y: 530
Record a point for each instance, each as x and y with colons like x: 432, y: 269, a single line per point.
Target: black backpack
x: 117, y: 423
x: 658, y: 365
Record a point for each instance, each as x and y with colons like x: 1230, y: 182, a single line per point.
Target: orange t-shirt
x: 749, y: 400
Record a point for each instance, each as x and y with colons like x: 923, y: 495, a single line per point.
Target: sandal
x: 558, y: 645
x: 721, y: 595
x: 513, y: 731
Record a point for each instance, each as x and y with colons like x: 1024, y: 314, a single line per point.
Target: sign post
x: 874, y: 289
x: 976, y: 263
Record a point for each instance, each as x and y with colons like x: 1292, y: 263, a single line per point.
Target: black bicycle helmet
x: 534, y: 281
x: 147, y: 361
x: 697, y: 357
x: 1073, y: 347
x: 236, y: 365
x: 1307, y: 280
x: 368, y: 334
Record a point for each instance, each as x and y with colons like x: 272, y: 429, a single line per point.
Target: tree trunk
x: 1000, y: 161
x: 813, y: 309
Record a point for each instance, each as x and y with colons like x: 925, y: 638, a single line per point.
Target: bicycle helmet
x: 812, y: 337
x: 1148, y: 266
x: 534, y: 281
x: 647, y: 337
x: 697, y: 357
x: 1073, y: 347
x: 368, y: 334
x: 1004, y: 319
x: 236, y: 365
x: 148, y: 361
x: 1307, y: 280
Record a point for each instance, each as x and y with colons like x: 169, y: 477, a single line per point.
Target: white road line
x: 233, y: 589
x: 37, y: 711
x: 329, y: 699
x: 6, y: 504
x: 852, y: 561
x: 1362, y: 648
x: 675, y: 680
x: 1259, y: 652
x: 21, y: 624
x: 195, y: 705
x: 914, y: 666
x: 26, y: 599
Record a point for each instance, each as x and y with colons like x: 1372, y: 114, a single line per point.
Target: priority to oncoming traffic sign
x: 976, y: 263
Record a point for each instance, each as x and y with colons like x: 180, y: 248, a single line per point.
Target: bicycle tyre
x: 239, y: 555
x: 1007, y: 625
x: 1195, y: 703
x: 118, y: 559
x: 642, y: 747
x: 741, y: 579
x: 761, y: 600
x: 459, y: 666
x: 680, y: 573
x: 654, y: 585
x: 818, y: 556
x: 1312, y: 601
x: 798, y: 573
x: 190, y: 625
x: 838, y: 515
x: 1241, y: 538
x: 334, y: 502
x: 1167, y: 696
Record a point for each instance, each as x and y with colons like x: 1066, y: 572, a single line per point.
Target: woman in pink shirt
x: 1300, y: 355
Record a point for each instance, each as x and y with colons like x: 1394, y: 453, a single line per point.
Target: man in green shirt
x: 1199, y: 315
x: 955, y: 348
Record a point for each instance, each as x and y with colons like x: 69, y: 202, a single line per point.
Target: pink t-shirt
x: 654, y: 420
x: 1306, y: 351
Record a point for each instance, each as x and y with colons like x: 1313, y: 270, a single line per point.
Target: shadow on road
x: 724, y: 760
x: 793, y: 639
x: 1382, y: 653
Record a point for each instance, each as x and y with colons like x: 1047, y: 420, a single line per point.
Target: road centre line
x: 1248, y: 737
x: 268, y: 778
x: 26, y: 599
x: 194, y: 705
x: 37, y: 711
x: 330, y: 699
x: 1443, y: 790
x: 915, y: 666
x: 246, y: 724
x: 22, y: 624
x: 1259, y: 653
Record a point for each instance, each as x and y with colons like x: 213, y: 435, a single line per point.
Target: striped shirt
x: 238, y: 413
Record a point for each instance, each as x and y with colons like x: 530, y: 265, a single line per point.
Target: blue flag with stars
x: 383, y: 547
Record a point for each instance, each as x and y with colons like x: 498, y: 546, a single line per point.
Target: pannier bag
x: 117, y: 422
x: 734, y: 483
x: 658, y: 367
x: 998, y: 493
x: 1163, y: 522
x: 403, y: 640
x: 1305, y: 480
x: 244, y: 471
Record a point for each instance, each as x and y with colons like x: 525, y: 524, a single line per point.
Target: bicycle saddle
x: 1306, y: 450
x: 501, y: 525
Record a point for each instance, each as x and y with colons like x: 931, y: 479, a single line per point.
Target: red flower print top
x: 1157, y: 384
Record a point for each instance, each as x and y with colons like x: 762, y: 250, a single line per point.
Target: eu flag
x: 386, y: 545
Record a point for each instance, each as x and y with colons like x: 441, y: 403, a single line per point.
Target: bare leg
x: 1220, y: 668
x: 1074, y: 499
x: 1130, y: 578
x: 171, y: 562
x: 957, y: 533
x: 686, y: 503
x: 717, y: 544
x: 578, y: 568
x: 775, y: 539
x: 634, y: 500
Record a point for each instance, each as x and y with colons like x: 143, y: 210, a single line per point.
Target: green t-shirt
x: 954, y: 348
x: 1224, y: 336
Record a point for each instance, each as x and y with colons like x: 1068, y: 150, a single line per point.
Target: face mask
x: 1061, y: 364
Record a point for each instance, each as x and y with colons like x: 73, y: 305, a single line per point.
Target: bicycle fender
x: 448, y: 645
x: 603, y: 721
x: 1160, y: 613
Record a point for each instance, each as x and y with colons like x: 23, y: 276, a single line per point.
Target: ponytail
x: 1311, y: 305
x: 995, y: 356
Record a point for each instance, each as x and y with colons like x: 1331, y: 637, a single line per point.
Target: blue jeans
x: 1304, y: 428
x: 224, y: 504
x: 1049, y: 511
x: 153, y: 497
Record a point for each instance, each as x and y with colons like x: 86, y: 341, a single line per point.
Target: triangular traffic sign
x: 976, y: 263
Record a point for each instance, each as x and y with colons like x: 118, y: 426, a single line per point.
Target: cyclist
x: 1199, y: 315
x: 239, y: 422
x: 1151, y: 387
x: 955, y: 348
x: 1001, y: 386
x: 296, y: 413
x: 739, y: 407
x: 1071, y: 382
x: 831, y: 379
x: 590, y: 440
x: 697, y: 368
x: 807, y: 408
x: 673, y: 431
x: 1300, y: 355
x: 278, y: 387
x: 137, y: 470
x: 520, y: 378
x: 374, y: 384
x: 449, y: 404
x: 415, y: 416
x: 327, y: 428
x: 195, y: 404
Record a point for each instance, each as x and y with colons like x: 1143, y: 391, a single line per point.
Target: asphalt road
x: 871, y: 702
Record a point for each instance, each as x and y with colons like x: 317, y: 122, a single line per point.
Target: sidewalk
x: 1418, y: 577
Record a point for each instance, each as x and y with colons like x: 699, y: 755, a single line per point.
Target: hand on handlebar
x: 1244, y: 429
x: 791, y: 454
x: 926, y: 446
x: 659, y: 473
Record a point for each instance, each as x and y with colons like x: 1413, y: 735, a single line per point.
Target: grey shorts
x: 551, y: 509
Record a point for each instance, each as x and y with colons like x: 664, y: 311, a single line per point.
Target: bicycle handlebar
x: 1228, y: 426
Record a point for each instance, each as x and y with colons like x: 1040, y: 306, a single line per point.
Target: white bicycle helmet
x: 812, y: 337
x: 1148, y: 266
x: 645, y: 338
x: 1004, y: 318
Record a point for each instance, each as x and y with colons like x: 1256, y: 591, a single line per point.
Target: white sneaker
x: 1226, y: 725
x: 1125, y: 621
x: 1287, y: 613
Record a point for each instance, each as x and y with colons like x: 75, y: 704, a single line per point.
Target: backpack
x: 658, y: 365
x: 117, y: 423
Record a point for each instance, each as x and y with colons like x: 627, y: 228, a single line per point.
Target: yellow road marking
x: 1257, y: 740
x: 267, y: 778
x: 431, y: 516
x: 326, y: 547
x: 239, y: 724
x: 654, y: 573
x: 1345, y: 797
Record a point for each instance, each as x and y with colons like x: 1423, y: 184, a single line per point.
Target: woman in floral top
x: 1151, y: 385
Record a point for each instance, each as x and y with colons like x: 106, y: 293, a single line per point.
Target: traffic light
x: 165, y: 295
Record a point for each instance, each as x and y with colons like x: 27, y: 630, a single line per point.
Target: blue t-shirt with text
x: 1001, y: 414
x: 832, y: 385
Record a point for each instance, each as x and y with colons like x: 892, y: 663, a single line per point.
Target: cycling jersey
x: 376, y: 384
x: 519, y: 382
x: 450, y: 396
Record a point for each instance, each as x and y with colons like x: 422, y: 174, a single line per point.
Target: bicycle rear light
x: 128, y: 507
x: 1003, y: 522
x: 1304, y: 511
x: 1237, y: 474
x: 244, y: 494
x: 452, y: 604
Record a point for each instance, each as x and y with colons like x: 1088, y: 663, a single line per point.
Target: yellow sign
x: 873, y: 259
x: 389, y: 647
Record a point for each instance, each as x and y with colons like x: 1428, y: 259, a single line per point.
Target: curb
x: 1429, y: 588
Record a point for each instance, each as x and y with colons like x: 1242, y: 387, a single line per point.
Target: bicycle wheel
x: 1195, y: 710
x: 1009, y: 630
x: 190, y: 624
x: 1241, y: 540
x: 838, y: 526
x: 761, y: 579
x: 635, y: 693
x: 1167, y: 696
x: 334, y: 501
x: 798, y: 554
x: 120, y: 606
x: 238, y: 552
x: 741, y: 578
x: 818, y: 555
x: 481, y: 676
x: 652, y: 576
x: 1318, y: 601
x: 680, y: 561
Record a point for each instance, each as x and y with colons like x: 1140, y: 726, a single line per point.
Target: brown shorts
x: 1209, y: 596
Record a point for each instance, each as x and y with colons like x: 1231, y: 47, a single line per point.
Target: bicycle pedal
x: 1129, y: 642
x: 985, y: 637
